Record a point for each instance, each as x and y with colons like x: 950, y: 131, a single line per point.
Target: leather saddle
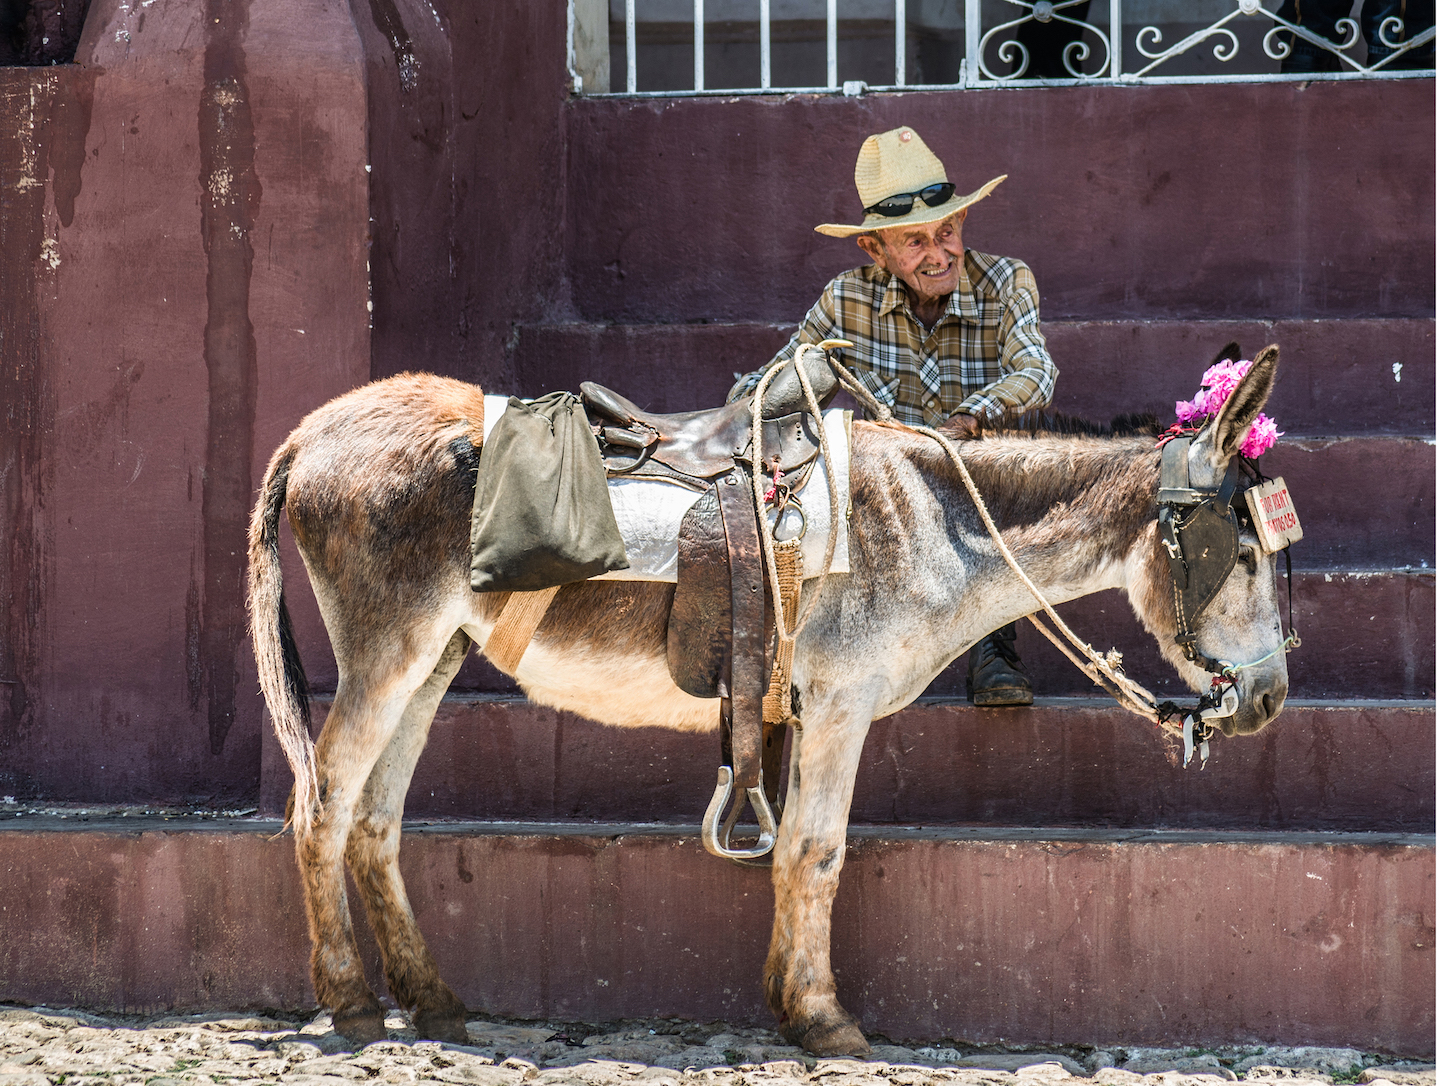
x: 697, y: 446
x: 719, y: 642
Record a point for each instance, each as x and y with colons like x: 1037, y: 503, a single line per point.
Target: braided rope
x: 1095, y: 665
x: 787, y: 637
x: 1129, y: 694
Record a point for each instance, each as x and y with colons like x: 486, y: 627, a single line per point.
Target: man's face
x: 928, y: 258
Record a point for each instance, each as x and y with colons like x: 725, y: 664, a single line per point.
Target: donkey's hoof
x: 360, y: 1025
x: 839, y: 1038
x: 441, y: 1025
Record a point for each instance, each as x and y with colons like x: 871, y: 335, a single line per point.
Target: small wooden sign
x: 1274, y: 516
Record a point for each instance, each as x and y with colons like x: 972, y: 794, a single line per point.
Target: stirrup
x: 718, y: 843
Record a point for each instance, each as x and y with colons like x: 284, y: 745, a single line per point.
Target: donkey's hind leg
x: 372, y: 856
x: 372, y: 695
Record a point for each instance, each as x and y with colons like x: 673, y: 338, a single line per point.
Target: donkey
x: 377, y: 486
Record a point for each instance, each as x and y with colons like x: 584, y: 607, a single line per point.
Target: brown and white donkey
x: 378, y: 488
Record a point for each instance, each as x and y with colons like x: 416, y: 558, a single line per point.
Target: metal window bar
x: 699, y: 45
x: 1115, y: 33
x: 765, y: 44
x: 831, y: 44
x: 972, y: 20
x: 983, y: 43
x: 901, y: 43
x: 631, y: 50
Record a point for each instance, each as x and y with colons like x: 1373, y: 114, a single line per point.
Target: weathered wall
x: 1348, y: 767
x: 1339, y: 377
x: 1267, y: 200
x: 191, y: 278
x: 193, y: 253
x: 192, y: 241
x: 466, y: 143
x: 222, y: 216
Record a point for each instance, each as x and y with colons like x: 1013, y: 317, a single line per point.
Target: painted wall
x: 194, y: 247
x: 224, y: 214
x: 1269, y: 200
x: 186, y: 245
x: 465, y: 133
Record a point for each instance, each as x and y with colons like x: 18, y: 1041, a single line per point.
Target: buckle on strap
x: 716, y: 830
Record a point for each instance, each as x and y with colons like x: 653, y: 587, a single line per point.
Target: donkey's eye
x: 1249, y: 560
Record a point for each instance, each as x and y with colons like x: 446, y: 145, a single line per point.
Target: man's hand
x: 964, y: 427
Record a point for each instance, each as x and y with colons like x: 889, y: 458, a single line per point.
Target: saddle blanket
x: 649, y: 510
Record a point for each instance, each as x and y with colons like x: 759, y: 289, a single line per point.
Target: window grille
x: 684, y: 47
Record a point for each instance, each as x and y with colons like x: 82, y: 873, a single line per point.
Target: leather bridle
x: 1199, y: 528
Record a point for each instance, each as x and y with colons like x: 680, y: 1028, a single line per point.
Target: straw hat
x: 895, y: 162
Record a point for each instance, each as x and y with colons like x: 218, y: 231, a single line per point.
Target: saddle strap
x: 515, y: 626
x: 741, y: 721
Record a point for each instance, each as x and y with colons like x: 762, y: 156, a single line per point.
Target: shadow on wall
x: 35, y: 33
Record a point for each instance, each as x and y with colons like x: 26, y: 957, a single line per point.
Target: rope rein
x: 1095, y: 665
x: 786, y: 638
x: 1105, y: 670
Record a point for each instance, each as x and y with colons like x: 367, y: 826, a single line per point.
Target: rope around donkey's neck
x: 1097, y: 667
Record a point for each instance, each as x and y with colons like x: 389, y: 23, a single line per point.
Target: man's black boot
x: 998, y: 677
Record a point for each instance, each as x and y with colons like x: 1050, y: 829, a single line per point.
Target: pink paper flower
x: 1260, y: 438
x: 1219, y: 381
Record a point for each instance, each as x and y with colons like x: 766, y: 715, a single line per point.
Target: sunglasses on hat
x: 901, y: 203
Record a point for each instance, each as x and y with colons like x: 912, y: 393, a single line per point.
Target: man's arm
x: 1028, y: 375
x: 819, y: 325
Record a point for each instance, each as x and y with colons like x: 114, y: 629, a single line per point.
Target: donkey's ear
x: 1229, y: 353
x: 1244, y: 404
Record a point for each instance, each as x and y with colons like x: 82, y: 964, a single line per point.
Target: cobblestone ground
x: 44, y: 1047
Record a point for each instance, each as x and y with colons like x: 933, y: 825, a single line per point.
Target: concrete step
x: 1333, y: 609
x: 1342, y: 766
x: 1024, y: 935
x: 1338, y: 377
x: 1356, y: 454
x: 1366, y: 634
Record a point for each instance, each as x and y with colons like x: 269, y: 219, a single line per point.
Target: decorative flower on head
x: 1219, y: 381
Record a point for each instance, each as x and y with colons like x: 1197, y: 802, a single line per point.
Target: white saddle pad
x: 649, y: 511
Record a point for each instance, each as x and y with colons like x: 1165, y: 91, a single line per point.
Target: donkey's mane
x: 1030, y: 422
x: 1034, y: 466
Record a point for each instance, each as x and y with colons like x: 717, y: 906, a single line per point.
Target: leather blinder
x: 1210, y: 542
x: 1202, y: 544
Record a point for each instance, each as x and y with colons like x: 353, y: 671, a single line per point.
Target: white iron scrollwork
x: 1044, y: 11
x: 1277, y: 44
x: 1116, y: 47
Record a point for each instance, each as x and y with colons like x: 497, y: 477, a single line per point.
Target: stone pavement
x: 44, y: 1047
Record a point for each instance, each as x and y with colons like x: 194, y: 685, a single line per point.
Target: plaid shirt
x: 985, y: 354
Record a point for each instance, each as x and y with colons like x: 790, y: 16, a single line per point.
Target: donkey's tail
x: 279, y: 665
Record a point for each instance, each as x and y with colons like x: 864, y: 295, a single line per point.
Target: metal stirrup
x: 716, y: 837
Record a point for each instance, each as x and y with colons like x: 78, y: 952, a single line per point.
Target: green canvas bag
x: 541, y: 510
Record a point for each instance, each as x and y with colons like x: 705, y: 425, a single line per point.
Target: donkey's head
x: 1239, y: 624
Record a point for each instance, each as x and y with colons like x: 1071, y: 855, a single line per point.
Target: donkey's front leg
x: 799, y: 984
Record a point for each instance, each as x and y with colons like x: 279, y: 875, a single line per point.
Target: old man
x: 945, y: 335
